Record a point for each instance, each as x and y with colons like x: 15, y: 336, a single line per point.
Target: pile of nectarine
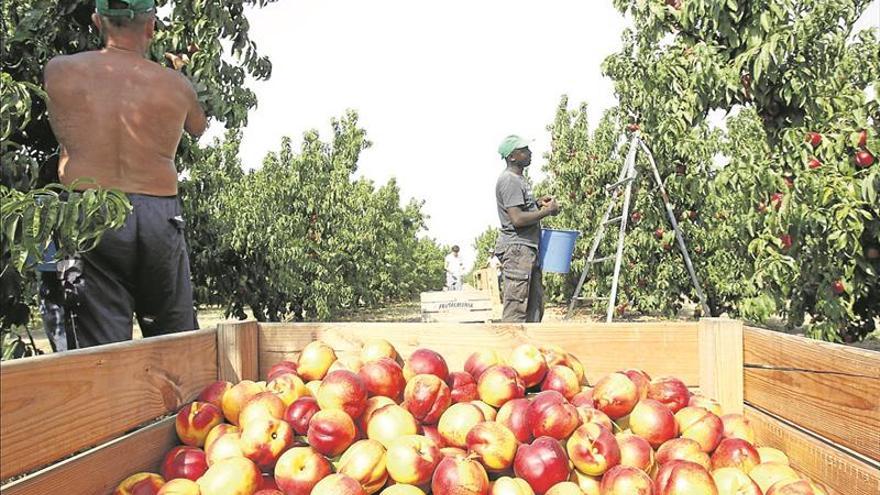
x: 523, y: 424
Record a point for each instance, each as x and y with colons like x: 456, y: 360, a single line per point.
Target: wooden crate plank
x: 660, y: 348
x: 721, y: 362
x: 821, y: 461
x: 238, y: 358
x: 829, y: 389
x: 98, y: 471
x: 59, y: 404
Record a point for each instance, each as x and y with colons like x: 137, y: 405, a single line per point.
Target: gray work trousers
x: 522, y: 284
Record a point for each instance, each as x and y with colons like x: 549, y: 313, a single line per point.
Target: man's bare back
x: 119, y: 119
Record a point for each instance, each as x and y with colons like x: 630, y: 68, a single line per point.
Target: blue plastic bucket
x: 556, y: 249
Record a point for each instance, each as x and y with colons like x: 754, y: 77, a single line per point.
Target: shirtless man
x: 119, y: 118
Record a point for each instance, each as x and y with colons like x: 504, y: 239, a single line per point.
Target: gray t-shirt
x: 515, y: 190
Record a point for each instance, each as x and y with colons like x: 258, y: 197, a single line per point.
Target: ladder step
x: 619, y: 183
x: 613, y: 220
x: 591, y: 298
x: 602, y: 260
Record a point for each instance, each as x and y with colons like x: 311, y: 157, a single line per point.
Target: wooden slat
x: 98, y: 471
x: 721, y: 362
x: 238, y: 356
x: 59, y: 404
x: 658, y: 348
x: 829, y: 389
x: 843, y: 473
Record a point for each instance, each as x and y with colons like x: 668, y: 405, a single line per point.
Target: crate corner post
x: 238, y: 351
x: 721, y: 362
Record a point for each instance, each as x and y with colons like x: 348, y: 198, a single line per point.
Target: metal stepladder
x: 625, y: 180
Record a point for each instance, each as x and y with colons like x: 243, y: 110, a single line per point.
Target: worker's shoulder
x: 60, y: 64
x: 509, y: 179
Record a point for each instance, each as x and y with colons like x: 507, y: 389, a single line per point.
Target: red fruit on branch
x: 658, y: 233
x: 635, y: 217
x: 864, y: 159
x: 838, y: 288
x: 814, y: 138
x: 632, y: 127
x: 776, y: 199
x: 863, y: 138
x: 789, y: 182
x: 814, y: 163
x: 786, y: 241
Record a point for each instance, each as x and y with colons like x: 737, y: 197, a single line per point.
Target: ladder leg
x: 627, y: 195
x: 600, y: 234
x: 678, y: 235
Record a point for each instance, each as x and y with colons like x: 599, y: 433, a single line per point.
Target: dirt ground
x: 411, y: 312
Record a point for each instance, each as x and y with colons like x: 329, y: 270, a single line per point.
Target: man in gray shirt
x: 517, y: 245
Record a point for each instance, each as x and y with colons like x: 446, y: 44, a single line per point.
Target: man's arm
x: 521, y: 218
x: 196, y: 122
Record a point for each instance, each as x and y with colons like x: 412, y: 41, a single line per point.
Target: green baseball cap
x: 511, y: 143
x: 135, y: 7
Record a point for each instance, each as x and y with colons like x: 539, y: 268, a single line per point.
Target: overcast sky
x: 437, y: 86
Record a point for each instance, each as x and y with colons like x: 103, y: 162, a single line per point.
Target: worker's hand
x: 550, y: 203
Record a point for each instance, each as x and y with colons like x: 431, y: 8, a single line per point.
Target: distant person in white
x: 454, y: 270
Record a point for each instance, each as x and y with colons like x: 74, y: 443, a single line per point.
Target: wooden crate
x: 487, y: 280
x: 456, y: 306
x: 80, y: 422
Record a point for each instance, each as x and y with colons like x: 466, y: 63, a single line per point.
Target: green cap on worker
x: 510, y: 143
x: 135, y: 7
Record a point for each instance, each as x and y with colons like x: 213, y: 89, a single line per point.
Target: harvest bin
x: 818, y: 402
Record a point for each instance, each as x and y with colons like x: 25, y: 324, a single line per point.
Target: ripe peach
x: 565, y: 488
x: 400, y: 489
x: 670, y: 391
x: 549, y: 414
x: 615, y: 395
x: 213, y: 393
x: 195, y: 420
x: 268, y: 491
x: 217, y: 431
x: 288, y: 387
x: 225, y: 446
x: 553, y: 355
x: 140, y: 484
x: 699, y: 424
x: 494, y: 444
x: 300, y: 412
x: 433, y: 434
x: 593, y: 449
x: 769, y: 454
x: 589, y: 414
x: 264, y: 439
x: 462, y: 386
x: 312, y: 387
x: 425, y: 362
x: 331, y: 431
x: 735, y: 452
x: 453, y: 452
x: 365, y: 462
x: 264, y: 405
x: 489, y: 412
x: 390, y: 422
x: 528, y: 361
x: 234, y: 476
x: 184, y: 462
x: 459, y: 476
x: 737, y: 426
x: 574, y: 363
x: 683, y: 449
x: 653, y: 421
x: 768, y: 474
x: 376, y: 349
x: 237, y: 396
x: 180, y: 486
x: 373, y: 404
x: 343, y: 390
x: 795, y: 487
x: 513, y: 415
x: 383, y: 376
x: 563, y: 380
x: 635, y: 452
x: 426, y: 397
x: 457, y: 421
x: 590, y: 485
x: 500, y: 384
x: 315, y: 360
x: 280, y: 368
x: 583, y: 398
x: 412, y: 459
x: 542, y: 464
x: 348, y: 362
x: 480, y: 361
x: 338, y: 484
x: 268, y: 483
x: 732, y: 481
x: 299, y: 469
x: 641, y: 379
x: 506, y: 485
x: 626, y: 480
x: 684, y: 478
x: 707, y: 403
